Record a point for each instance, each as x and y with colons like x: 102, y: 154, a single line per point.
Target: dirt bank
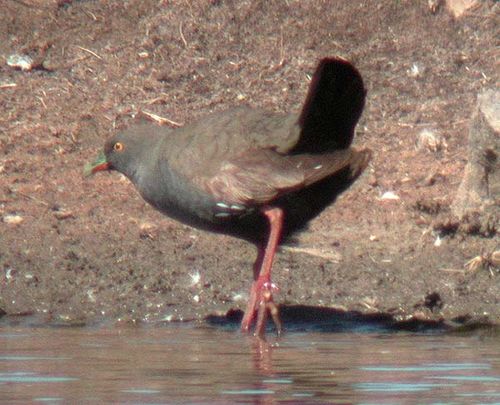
x: 80, y: 250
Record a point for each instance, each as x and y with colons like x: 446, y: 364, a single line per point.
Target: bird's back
x: 199, y: 147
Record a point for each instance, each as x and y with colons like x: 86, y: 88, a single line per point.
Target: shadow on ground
x: 297, y: 318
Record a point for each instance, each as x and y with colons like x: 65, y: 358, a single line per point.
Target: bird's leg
x: 261, y: 293
x: 252, y: 305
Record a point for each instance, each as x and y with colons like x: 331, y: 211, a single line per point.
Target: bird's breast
x: 173, y: 195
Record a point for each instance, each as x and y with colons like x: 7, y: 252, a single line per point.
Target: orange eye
x: 118, y: 147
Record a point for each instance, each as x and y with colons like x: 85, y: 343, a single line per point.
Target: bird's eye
x: 118, y: 147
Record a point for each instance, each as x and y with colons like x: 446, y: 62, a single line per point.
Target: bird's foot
x: 260, y: 306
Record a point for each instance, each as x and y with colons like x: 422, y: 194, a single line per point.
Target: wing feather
x: 260, y: 176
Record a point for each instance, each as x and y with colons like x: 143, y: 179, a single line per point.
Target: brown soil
x: 86, y: 250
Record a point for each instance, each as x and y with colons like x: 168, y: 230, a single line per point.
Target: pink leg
x: 252, y: 305
x: 261, y: 298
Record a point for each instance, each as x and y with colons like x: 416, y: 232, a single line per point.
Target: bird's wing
x: 260, y: 176
x: 198, y: 148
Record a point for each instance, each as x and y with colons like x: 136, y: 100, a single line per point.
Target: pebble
x: 63, y: 213
x: 389, y: 195
x: 13, y: 219
x: 431, y: 140
x: 23, y: 62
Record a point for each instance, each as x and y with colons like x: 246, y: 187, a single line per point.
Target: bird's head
x: 122, y: 152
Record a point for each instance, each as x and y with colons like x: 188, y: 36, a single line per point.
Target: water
x: 198, y: 365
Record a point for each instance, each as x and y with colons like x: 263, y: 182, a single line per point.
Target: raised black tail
x: 332, y: 108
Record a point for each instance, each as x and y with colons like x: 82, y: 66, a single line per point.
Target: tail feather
x: 333, y: 105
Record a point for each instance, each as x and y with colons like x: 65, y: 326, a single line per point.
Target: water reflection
x: 188, y: 364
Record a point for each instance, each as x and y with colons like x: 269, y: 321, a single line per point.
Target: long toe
x: 260, y: 306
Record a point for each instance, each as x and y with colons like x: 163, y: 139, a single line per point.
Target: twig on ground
x: 182, y: 35
x: 161, y: 120
x: 89, y: 51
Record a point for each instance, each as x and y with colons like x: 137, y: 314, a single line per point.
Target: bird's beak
x: 100, y: 163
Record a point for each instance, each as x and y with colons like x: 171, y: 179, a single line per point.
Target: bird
x: 250, y: 173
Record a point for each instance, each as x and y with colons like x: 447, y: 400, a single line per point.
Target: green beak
x: 100, y: 163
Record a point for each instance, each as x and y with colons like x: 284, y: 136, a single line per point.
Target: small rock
x: 63, y: 213
x: 9, y: 274
x: 148, y: 230
x: 389, y: 195
x: 415, y: 71
x: 195, y: 278
x: 23, y: 62
x: 239, y: 297
x: 431, y: 140
x: 13, y: 219
x: 91, y: 296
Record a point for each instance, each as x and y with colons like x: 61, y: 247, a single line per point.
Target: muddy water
x: 189, y: 364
